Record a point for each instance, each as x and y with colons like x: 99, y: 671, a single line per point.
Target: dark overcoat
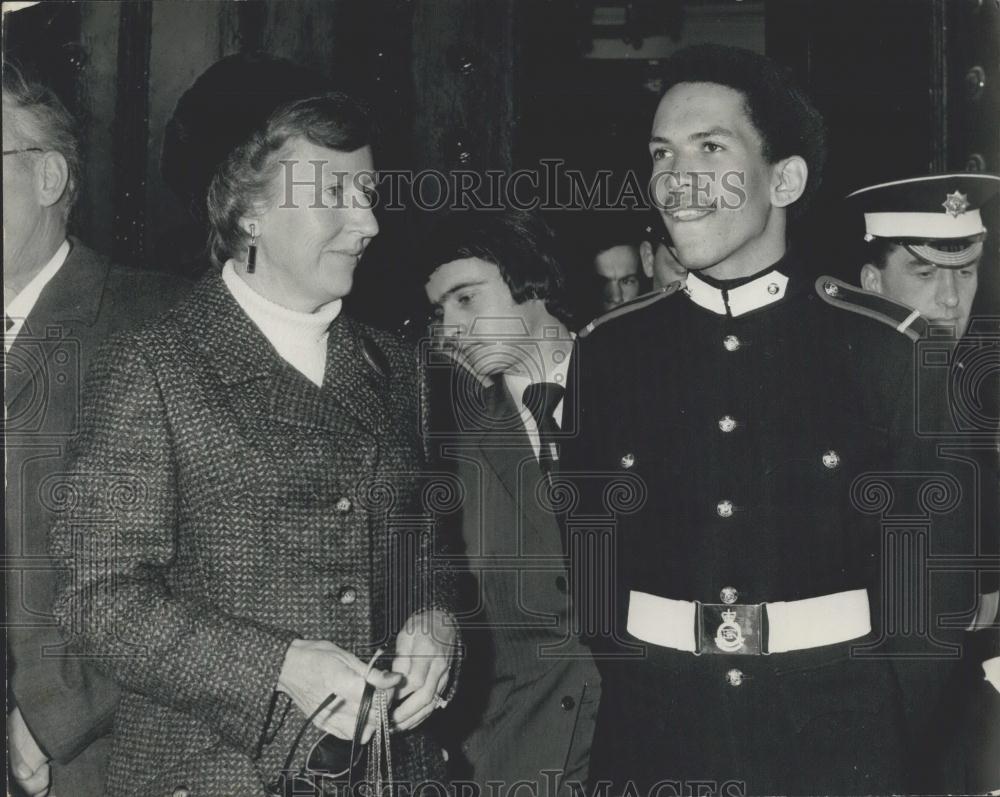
x: 775, y: 453
x: 224, y: 505
x: 530, y: 689
x: 67, y: 704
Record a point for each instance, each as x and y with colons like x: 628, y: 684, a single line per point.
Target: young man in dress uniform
x: 746, y: 585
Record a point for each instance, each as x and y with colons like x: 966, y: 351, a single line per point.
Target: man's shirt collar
x: 22, y: 304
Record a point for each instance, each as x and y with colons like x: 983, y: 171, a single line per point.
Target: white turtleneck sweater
x: 299, y: 338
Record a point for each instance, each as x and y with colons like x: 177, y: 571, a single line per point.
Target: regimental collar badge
x: 956, y: 204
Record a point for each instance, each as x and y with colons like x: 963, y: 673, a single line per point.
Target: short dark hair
x: 877, y: 252
x: 519, y: 243
x: 778, y: 108
x: 44, y: 122
x: 246, y: 177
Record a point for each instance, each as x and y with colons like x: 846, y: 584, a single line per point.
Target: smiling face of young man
x: 485, y: 326
x: 942, y: 295
x: 723, y: 203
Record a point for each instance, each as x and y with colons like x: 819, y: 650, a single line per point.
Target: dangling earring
x: 252, y: 250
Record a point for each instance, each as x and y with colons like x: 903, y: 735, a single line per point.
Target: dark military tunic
x: 771, y: 433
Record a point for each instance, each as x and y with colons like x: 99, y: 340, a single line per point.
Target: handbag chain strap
x: 380, y: 748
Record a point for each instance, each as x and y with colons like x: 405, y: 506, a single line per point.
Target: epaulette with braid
x: 849, y: 297
x: 646, y: 299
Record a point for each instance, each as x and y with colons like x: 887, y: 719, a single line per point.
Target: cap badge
x: 956, y: 204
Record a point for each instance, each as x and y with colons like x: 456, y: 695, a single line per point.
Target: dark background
x: 500, y: 84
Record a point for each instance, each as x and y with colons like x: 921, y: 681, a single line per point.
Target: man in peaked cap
x: 924, y: 246
x: 925, y: 239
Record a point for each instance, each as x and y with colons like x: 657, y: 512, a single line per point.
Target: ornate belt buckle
x: 730, y: 629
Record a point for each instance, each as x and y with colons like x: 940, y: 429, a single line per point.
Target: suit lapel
x: 503, y: 439
x: 68, y: 304
x: 506, y: 448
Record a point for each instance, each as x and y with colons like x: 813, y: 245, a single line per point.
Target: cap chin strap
x: 962, y: 257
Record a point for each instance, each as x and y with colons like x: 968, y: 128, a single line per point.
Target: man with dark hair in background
x: 613, y: 259
x: 747, y: 643
x: 60, y: 301
x: 530, y: 689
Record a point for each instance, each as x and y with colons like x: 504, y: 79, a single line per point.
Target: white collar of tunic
x: 760, y: 292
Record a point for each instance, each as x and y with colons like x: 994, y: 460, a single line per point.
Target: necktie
x: 541, y: 399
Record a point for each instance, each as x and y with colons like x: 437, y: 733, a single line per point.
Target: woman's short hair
x: 519, y: 243
x: 41, y: 120
x: 246, y: 178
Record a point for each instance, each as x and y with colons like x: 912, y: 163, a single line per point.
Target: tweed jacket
x: 224, y: 505
x: 67, y: 704
x: 530, y: 689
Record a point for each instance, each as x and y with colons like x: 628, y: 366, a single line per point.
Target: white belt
x: 737, y: 629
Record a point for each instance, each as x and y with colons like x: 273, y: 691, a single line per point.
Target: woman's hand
x: 423, y: 656
x: 315, y: 668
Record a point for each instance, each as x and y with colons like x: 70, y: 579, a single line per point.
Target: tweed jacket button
x: 734, y: 677
x: 731, y: 343
x: 343, y: 505
x: 831, y: 460
x: 347, y: 596
x: 567, y: 703
x: 728, y: 594
x: 727, y: 423
x: 724, y: 508
x: 181, y: 791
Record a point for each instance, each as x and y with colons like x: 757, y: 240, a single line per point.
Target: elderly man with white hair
x: 61, y: 300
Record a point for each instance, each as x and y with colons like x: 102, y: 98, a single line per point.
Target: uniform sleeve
x: 116, y: 545
x: 938, y: 495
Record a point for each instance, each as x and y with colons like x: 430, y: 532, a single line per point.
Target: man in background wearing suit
x: 530, y: 689
x: 60, y: 301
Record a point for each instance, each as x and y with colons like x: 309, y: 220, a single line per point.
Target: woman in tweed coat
x: 244, y: 523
